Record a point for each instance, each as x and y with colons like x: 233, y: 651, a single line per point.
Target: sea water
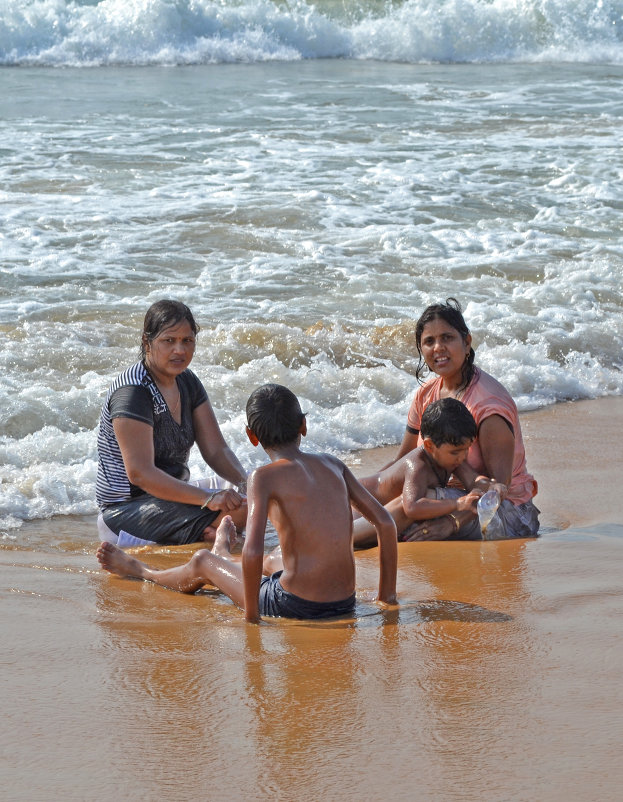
x: 307, y: 177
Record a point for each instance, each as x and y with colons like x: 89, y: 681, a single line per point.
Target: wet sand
x: 497, y: 678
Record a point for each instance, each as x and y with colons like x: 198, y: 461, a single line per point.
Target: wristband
x: 455, y: 521
x: 209, y: 499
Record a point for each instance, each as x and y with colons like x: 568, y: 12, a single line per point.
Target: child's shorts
x: 277, y: 602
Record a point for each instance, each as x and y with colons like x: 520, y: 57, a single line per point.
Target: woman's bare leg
x: 273, y: 562
x: 204, y: 567
x: 364, y: 534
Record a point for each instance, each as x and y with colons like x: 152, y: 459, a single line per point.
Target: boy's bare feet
x: 226, y: 538
x: 116, y: 561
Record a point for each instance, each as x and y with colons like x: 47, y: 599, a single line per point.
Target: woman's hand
x: 484, y: 484
x: 226, y: 501
x: 501, y: 489
x: 433, y: 529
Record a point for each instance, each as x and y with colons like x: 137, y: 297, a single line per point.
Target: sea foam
x: 148, y: 32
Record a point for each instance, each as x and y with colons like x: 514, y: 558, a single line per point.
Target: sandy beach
x: 497, y: 677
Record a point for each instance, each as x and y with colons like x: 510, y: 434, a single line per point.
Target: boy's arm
x: 385, y: 527
x: 468, y: 477
x: 253, y: 549
x: 418, y: 507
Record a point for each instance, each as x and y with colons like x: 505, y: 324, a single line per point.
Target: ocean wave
x: 184, y: 32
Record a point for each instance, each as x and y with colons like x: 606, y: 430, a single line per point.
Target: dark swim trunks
x: 277, y: 602
x: 164, y: 522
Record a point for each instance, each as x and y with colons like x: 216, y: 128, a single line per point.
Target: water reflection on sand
x: 497, y: 677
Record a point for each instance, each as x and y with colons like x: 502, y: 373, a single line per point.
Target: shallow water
x: 497, y: 677
x: 307, y: 212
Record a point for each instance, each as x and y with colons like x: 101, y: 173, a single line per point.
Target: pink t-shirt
x: 483, y: 397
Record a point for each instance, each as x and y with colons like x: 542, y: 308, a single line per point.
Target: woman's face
x: 171, y: 351
x: 444, y: 350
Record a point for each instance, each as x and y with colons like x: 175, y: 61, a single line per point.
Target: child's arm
x: 426, y: 508
x: 385, y: 527
x: 418, y: 507
x: 253, y: 549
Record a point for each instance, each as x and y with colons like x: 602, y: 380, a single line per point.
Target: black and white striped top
x: 134, y: 394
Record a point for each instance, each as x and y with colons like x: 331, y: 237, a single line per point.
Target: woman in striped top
x: 154, y: 412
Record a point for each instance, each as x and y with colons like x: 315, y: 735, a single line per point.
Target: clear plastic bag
x: 491, y: 525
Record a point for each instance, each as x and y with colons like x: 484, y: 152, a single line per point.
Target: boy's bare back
x: 306, y: 497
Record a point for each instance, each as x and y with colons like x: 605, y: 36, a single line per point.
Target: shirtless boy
x: 414, y: 488
x: 308, y: 499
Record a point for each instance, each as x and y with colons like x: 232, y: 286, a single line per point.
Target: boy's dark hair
x: 274, y: 415
x: 163, y: 315
x: 448, y: 421
x: 452, y: 314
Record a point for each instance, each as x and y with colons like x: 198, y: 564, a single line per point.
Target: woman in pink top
x: 444, y: 344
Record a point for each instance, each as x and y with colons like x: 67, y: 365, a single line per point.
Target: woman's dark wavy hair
x: 452, y: 314
x: 162, y: 315
x: 274, y: 415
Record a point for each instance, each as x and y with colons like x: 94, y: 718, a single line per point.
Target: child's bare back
x: 389, y: 482
x: 309, y: 506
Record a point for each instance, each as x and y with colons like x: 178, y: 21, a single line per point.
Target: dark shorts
x: 277, y: 602
x: 165, y: 522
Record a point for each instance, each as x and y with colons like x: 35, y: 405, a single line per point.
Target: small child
x: 414, y: 489
x: 308, y: 499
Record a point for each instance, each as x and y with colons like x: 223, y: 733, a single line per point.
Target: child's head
x: 448, y: 421
x: 448, y: 430
x: 274, y: 415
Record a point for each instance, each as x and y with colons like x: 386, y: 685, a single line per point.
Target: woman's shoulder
x: 487, y: 396
x: 129, y: 395
x: 190, y: 378
x: 484, y: 384
x: 134, y: 375
x: 193, y: 385
x: 429, y: 391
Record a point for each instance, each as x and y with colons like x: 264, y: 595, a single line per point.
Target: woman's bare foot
x: 116, y: 561
x: 226, y: 538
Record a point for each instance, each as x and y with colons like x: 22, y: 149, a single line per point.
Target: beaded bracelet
x: 209, y: 499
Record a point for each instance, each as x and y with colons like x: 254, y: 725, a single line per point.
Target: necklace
x: 172, y: 409
x: 161, y: 392
x: 177, y: 403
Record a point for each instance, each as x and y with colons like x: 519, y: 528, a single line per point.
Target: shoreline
x: 565, y: 447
